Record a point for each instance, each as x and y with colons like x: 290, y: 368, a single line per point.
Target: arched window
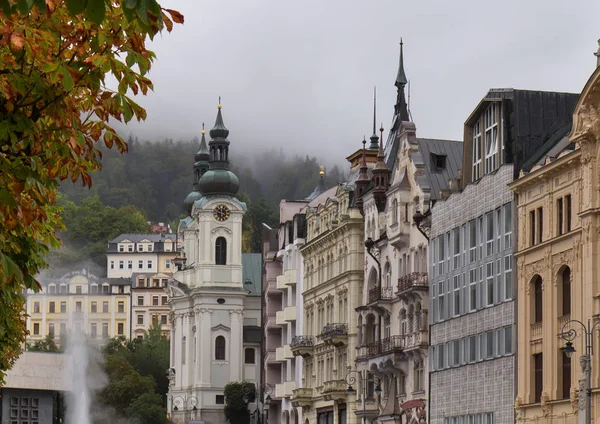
x: 537, y: 299
x: 566, y: 290
x: 220, y: 348
x: 403, y: 322
x: 183, y: 349
x: 221, y: 251
x: 249, y: 355
x: 395, y: 211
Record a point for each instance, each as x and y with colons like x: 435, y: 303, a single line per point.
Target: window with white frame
x: 481, y: 236
x: 477, y: 150
x: 112, y: 264
x: 499, y: 295
x: 441, y: 308
x: 441, y: 255
x: 472, y: 241
x: 473, y: 289
x: 491, y: 138
x: 498, y: 229
x: 490, y: 283
x: 507, y: 226
x: 489, y: 239
x: 508, y: 277
x: 456, y: 250
x: 456, y: 283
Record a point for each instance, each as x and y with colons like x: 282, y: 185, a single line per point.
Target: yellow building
x: 558, y: 274
x: 79, y: 301
x: 333, y: 260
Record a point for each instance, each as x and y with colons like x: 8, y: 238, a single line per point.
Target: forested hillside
x: 151, y: 181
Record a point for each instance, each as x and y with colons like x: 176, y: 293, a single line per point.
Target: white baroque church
x: 215, y: 292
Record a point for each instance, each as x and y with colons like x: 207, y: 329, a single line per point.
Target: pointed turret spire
x: 381, y: 178
x: 202, y: 153
x: 321, y: 187
x: 401, y: 107
x: 219, y: 179
x: 374, y: 138
x: 363, y: 178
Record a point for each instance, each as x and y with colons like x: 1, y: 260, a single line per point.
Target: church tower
x: 208, y: 293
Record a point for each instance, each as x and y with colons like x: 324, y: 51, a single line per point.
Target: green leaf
x: 130, y: 4
x: 67, y: 79
x: 130, y: 59
x: 76, y: 6
x: 5, y: 7
x: 10, y: 268
x: 95, y: 11
x: 142, y: 11
x: 127, y: 112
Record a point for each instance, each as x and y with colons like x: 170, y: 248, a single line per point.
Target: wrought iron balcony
x: 413, y: 281
x: 381, y: 347
x: 302, y: 346
x: 336, y: 334
x: 380, y: 293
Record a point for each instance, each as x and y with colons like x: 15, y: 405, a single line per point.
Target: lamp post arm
x: 591, y: 332
x: 369, y: 244
x: 570, y: 334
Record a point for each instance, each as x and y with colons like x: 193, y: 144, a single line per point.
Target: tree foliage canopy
x: 237, y: 396
x: 55, y: 58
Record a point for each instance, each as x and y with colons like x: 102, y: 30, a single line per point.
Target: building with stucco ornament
x: 214, y: 293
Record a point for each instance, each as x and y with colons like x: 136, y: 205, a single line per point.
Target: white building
x: 215, y: 324
x: 146, y: 253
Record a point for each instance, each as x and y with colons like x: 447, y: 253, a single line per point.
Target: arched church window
x: 220, y: 348
x: 221, y: 251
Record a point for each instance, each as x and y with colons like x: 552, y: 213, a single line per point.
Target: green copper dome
x: 188, y: 203
x: 219, y: 181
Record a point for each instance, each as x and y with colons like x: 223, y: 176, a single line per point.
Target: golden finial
x: 219, y: 105
x: 322, y: 171
x: 203, y: 131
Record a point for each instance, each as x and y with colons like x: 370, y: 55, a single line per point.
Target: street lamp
x: 585, y: 360
x: 250, y: 392
x: 351, y: 379
x: 185, y: 404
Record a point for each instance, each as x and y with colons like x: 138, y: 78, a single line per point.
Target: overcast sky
x: 300, y: 74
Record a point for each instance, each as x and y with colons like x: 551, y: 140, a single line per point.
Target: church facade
x: 215, y: 304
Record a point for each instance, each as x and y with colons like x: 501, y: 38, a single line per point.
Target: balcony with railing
x: 416, y: 340
x: 379, y: 293
x: 302, y: 346
x: 536, y: 331
x: 302, y: 397
x: 335, y: 334
x: 392, y: 344
x: 413, y: 282
x: 335, y: 390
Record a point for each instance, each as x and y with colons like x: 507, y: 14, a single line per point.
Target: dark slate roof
x: 547, y: 145
x: 119, y: 281
x: 252, y: 271
x: 438, y: 178
x: 320, y: 188
x: 136, y: 238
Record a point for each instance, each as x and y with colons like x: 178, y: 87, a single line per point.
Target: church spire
x: 401, y: 107
x: 374, y: 138
x: 219, y: 179
x: 201, y: 159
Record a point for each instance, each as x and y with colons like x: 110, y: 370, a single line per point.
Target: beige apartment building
x: 558, y: 276
x: 333, y: 268
x: 79, y: 301
x: 150, y: 303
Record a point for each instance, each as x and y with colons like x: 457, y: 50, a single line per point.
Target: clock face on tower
x: 221, y: 213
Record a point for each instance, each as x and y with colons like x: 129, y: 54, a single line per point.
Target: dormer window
x: 121, y: 248
x: 140, y: 247
x: 438, y: 162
